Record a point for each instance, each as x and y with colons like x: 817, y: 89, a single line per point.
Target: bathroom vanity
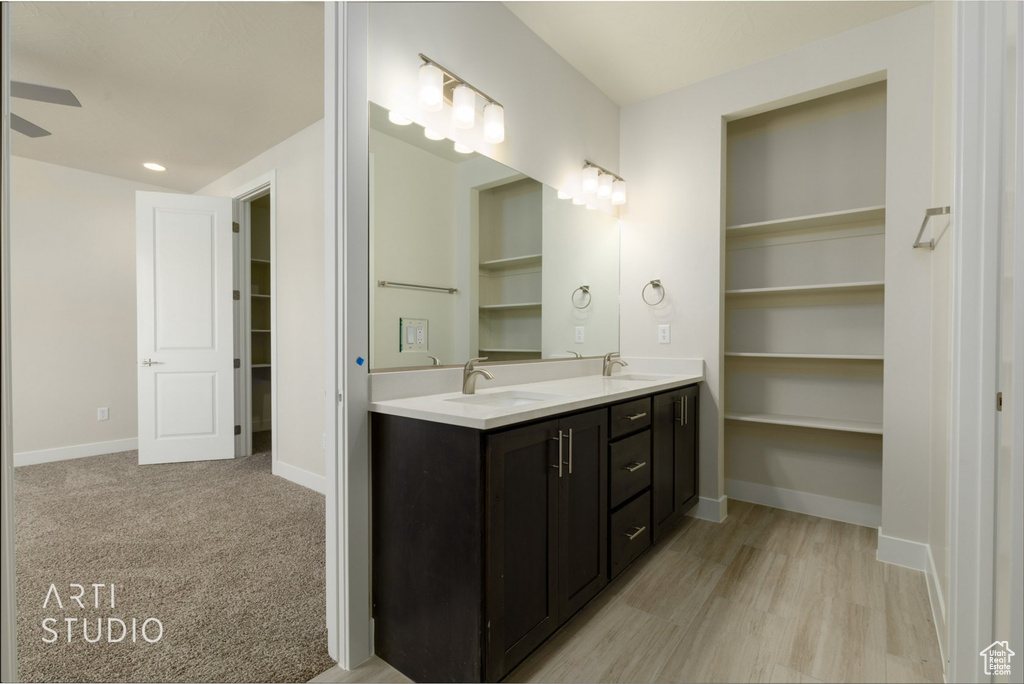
x: 498, y: 515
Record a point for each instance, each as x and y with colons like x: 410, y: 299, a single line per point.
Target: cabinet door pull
x: 686, y: 409
x: 636, y: 533
x: 681, y: 410
x: 633, y: 467
x: 570, y: 451
x: 559, y: 466
x: 636, y: 416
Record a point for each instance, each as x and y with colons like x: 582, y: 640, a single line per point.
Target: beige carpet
x: 227, y: 556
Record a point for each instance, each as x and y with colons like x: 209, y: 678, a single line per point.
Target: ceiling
x: 633, y: 51
x: 200, y: 87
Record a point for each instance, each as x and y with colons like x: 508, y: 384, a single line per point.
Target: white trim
x: 903, y: 552
x: 831, y: 507
x: 714, y: 510
x: 318, y: 483
x: 75, y: 451
x: 935, y: 598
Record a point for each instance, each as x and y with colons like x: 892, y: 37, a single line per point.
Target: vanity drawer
x: 630, y: 531
x: 630, y: 417
x: 630, y: 467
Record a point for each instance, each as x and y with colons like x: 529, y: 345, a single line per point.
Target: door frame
x: 241, y: 197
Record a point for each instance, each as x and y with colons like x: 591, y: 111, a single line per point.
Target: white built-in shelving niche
x: 804, y: 300
x: 510, y: 244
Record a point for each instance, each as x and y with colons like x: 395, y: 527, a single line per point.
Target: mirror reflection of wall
x: 471, y: 258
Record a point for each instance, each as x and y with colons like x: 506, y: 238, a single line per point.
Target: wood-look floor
x: 766, y: 596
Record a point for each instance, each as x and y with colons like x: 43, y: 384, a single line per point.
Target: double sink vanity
x: 498, y: 515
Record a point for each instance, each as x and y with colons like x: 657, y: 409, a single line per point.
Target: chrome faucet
x: 611, y: 359
x: 469, y: 375
x: 435, y: 361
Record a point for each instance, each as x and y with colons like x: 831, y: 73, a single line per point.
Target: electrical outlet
x: 579, y: 334
x: 103, y: 413
x: 664, y: 333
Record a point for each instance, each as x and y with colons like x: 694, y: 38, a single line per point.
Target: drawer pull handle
x: 633, y: 467
x: 636, y: 416
x: 636, y: 533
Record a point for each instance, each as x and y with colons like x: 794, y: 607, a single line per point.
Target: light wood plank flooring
x: 766, y: 596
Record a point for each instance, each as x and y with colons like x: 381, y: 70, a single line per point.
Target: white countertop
x: 570, y: 394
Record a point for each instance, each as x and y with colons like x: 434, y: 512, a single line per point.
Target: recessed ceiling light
x: 153, y: 166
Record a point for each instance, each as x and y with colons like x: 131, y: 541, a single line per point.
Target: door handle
x: 633, y: 467
x: 150, y: 362
x: 559, y: 440
x: 570, y: 451
x: 636, y: 532
x: 635, y: 416
x: 684, y: 404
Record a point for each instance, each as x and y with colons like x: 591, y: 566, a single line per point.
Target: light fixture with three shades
x: 594, y: 182
x: 435, y: 81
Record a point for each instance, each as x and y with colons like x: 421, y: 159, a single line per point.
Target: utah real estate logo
x: 997, y: 658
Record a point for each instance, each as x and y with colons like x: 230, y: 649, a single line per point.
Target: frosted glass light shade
x: 463, y: 107
x: 578, y: 201
x: 588, y: 179
x: 494, y: 123
x: 562, y: 194
x: 431, y: 88
x: 619, y: 192
x: 462, y: 149
x: 432, y: 135
x: 398, y: 119
x: 604, y: 185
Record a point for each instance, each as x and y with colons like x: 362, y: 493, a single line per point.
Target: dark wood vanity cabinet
x: 674, y: 461
x: 486, y: 542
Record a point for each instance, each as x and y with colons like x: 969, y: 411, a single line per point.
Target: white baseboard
x: 833, y: 508
x: 714, y: 510
x: 909, y: 554
x: 318, y: 483
x: 77, y: 451
x: 262, y: 425
x: 935, y: 599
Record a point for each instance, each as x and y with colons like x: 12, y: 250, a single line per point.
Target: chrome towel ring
x: 654, y: 285
x: 585, y: 290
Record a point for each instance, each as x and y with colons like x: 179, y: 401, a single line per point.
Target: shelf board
x: 510, y: 262
x: 837, y: 357
x: 259, y: 330
x: 260, y: 261
x: 865, y: 427
x: 511, y: 351
x: 810, y: 289
x: 829, y: 220
x: 503, y: 307
x: 260, y: 295
x: 261, y: 365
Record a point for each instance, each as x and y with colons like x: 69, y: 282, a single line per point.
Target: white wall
x: 554, y: 117
x: 672, y: 155
x: 413, y: 237
x: 299, y: 162
x: 72, y: 307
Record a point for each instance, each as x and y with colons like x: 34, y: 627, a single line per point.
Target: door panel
x: 185, y: 328
x: 583, y: 511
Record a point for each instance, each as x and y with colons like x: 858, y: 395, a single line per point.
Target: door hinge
x: 236, y: 295
x: 999, y: 401
x: 238, y: 363
x: 235, y: 227
x: 238, y: 429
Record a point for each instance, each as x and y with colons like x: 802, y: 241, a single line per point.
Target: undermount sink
x: 505, y: 399
x: 636, y: 377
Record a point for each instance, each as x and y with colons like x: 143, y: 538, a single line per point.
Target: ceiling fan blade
x: 41, y: 93
x: 27, y: 127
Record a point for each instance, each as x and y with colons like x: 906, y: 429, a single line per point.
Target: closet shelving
x: 260, y: 312
x: 509, y: 270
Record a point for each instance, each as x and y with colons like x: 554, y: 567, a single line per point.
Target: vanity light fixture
x: 438, y: 85
x: 398, y: 119
x: 431, y: 87
x: 562, y: 194
x: 432, y: 135
x: 608, y: 184
x: 578, y: 201
x: 462, y: 149
x: 588, y: 179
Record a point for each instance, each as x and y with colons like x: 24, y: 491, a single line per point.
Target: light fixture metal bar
x: 448, y: 72
x: 587, y: 162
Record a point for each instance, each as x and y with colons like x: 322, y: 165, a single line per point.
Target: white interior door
x: 185, y: 319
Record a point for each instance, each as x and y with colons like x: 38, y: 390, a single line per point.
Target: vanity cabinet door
x: 674, y: 456
x: 521, y: 603
x: 583, y: 510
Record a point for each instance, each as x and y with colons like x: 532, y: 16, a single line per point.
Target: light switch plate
x: 413, y: 335
x: 664, y: 333
x: 579, y: 334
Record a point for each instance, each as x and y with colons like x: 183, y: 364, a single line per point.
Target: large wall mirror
x: 471, y: 258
